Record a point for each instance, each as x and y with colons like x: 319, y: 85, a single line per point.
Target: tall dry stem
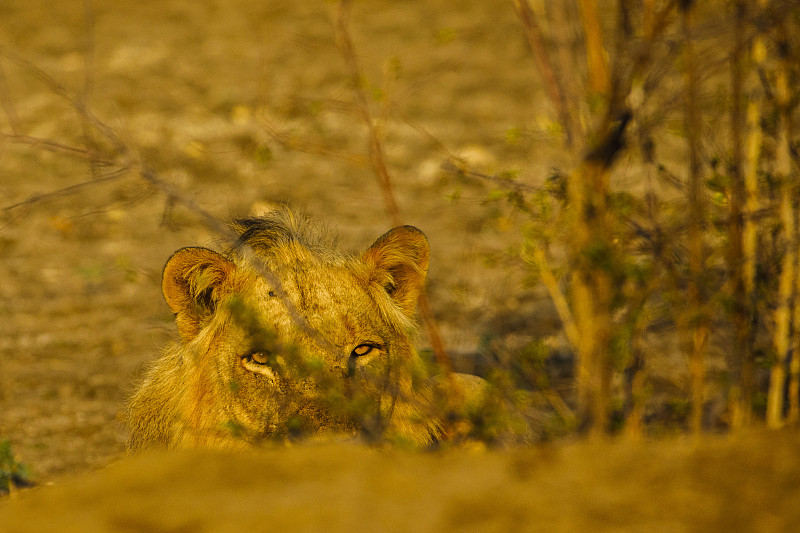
x: 750, y: 231
x: 599, y: 82
x: 739, y: 396
x: 636, y: 381
x: 786, y: 244
x: 697, y: 314
x: 590, y: 244
x: 793, y: 416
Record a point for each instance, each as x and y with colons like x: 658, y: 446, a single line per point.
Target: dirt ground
x: 193, y: 90
x: 748, y: 483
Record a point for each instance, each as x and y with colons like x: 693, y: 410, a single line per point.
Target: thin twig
x: 376, y: 152
x: 72, y: 189
x: 88, y: 82
x: 455, y: 166
x: 54, y: 146
x: 8, y: 104
x: 294, y: 143
x: 60, y: 90
x: 378, y: 160
x: 539, y: 259
x: 552, y: 85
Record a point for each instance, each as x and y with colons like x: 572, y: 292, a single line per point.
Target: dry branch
x: 740, y: 395
x: 357, y: 80
x: 381, y: 169
x: 552, y: 86
x: 787, y: 290
x: 697, y: 319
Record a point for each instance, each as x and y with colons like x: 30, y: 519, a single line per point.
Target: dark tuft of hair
x: 280, y: 228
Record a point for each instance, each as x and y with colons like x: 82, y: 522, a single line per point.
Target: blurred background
x: 195, y: 91
x: 609, y: 192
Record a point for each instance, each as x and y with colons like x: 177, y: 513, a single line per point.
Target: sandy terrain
x: 191, y: 88
x: 740, y: 484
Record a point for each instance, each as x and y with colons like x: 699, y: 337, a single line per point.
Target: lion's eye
x: 259, y: 358
x: 262, y: 363
x: 363, y: 349
x: 361, y: 356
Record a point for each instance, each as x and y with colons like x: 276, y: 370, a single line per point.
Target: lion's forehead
x: 331, y: 298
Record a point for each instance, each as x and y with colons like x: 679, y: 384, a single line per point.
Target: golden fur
x: 282, y: 336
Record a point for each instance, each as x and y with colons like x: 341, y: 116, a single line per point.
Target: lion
x: 282, y: 336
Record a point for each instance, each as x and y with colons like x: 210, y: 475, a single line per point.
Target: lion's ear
x: 193, y: 282
x: 398, y: 261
